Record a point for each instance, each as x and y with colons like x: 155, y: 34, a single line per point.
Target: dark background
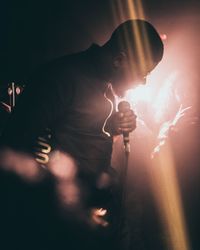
x: 35, y: 32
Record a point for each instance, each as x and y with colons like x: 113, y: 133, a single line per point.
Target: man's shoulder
x: 65, y: 67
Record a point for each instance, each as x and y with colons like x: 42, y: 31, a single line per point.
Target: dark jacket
x: 66, y: 96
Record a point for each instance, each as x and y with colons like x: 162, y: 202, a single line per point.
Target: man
x: 72, y: 100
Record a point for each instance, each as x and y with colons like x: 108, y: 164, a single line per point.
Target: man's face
x: 126, y: 77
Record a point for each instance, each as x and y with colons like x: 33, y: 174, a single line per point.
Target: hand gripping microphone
x: 124, y: 107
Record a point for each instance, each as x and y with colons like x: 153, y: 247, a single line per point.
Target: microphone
x: 124, y: 106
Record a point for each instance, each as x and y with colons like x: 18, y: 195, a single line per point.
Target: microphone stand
x: 123, y: 178
x: 123, y: 106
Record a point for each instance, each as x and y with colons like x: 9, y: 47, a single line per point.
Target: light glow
x: 162, y: 170
x: 156, y: 97
x: 157, y: 100
x: 167, y: 194
x: 140, y: 93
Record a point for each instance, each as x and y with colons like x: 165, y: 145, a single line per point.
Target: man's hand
x: 123, y: 122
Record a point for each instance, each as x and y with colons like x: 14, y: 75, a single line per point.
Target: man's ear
x: 120, y: 60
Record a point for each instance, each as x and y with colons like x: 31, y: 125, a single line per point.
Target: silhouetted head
x: 135, y: 48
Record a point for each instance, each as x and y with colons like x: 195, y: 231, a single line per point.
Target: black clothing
x: 66, y: 96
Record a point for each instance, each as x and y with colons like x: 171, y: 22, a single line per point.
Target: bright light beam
x: 163, y: 176
x: 167, y: 194
x: 165, y: 184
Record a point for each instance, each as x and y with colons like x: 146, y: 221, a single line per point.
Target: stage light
x: 163, y: 37
x: 157, y: 99
x: 140, y: 93
x: 162, y: 106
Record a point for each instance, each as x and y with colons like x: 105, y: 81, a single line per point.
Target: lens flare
x: 129, y: 9
x: 159, y: 96
x: 23, y: 165
x: 167, y: 195
x: 155, y: 97
x: 140, y: 93
x: 62, y: 166
x: 163, y: 176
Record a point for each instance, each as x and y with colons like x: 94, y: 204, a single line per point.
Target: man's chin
x: 119, y: 93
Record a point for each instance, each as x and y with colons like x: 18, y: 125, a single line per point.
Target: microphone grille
x: 123, y: 106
